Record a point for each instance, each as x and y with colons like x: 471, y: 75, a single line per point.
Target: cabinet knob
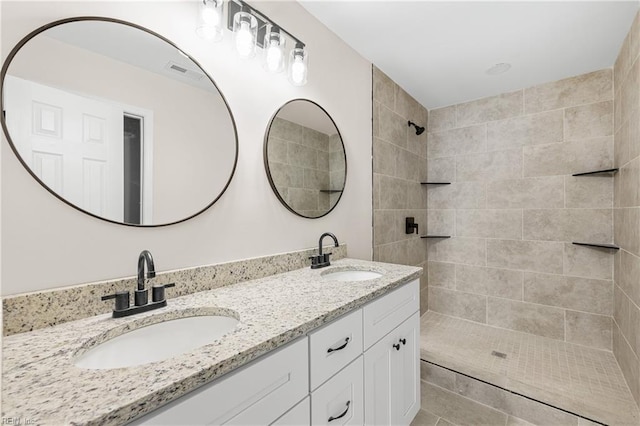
x: 346, y: 342
x: 403, y: 341
x: 344, y: 413
x: 397, y: 346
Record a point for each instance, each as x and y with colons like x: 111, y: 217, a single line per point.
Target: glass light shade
x: 210, y: 20
x: 245, y: 30
x: 298, y: 65
x: 274, y: 48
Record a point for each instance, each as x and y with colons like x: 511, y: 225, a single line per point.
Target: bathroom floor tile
x: 579, y: 379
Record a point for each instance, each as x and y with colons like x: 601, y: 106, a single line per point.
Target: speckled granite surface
x: 31, y: 311
x: 41, y: 384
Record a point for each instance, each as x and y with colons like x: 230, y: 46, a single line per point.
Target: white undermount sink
x: 156, y: 342
x: 350, y: 275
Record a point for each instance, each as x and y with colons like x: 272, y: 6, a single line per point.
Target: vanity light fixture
x: 274, y: 50
x: 251, y: 30
x: 210, y: 20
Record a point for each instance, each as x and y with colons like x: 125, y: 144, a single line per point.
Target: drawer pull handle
x: 403, y: 341
x: 346, y: 342
x: 341, y: 415
x: 397, y: 346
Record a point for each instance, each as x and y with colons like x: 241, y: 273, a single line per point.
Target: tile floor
x: 578, y: 379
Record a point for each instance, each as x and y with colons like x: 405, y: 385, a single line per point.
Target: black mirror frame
x: 268, y: 170
x: 43, y: 28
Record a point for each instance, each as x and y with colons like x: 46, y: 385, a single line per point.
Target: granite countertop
x: 40, y: 384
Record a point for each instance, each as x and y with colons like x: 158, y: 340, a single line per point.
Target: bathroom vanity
x: 310, y: 347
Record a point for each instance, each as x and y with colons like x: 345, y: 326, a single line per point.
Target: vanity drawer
x: 258, y: 393
x: 340, y: 401
x: 384, y: 314
x: 300, y: 415
x: 334, y: 346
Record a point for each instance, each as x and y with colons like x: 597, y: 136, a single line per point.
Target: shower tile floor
x: 578, y: 379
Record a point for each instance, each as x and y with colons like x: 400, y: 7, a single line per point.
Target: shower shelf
x: 435, y: 236
x: 596, y: 172
x: 435, y: 183
x: 331, y: 191
x: 606, y: 246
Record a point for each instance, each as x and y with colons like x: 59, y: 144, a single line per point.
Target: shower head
x: 419, y: 129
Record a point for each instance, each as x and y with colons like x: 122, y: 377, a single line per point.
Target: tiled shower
x: 507, y: 198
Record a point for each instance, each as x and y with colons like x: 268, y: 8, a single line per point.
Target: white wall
x: 47, y: 244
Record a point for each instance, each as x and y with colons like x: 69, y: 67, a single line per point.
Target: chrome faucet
x: 322, y: 260
x: 141, y: 294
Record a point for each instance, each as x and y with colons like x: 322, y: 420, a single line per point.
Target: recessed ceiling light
x: 500, y: 68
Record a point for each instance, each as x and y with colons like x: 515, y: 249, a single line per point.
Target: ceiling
x: 439, y: 52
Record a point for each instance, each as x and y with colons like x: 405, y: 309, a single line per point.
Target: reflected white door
x: 72, y: 143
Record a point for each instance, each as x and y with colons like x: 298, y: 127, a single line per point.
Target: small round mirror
x: 117, y: 122
x: 305, y: 159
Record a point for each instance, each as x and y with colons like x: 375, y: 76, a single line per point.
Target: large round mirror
x: 117, y: 122
x: 305, y: 159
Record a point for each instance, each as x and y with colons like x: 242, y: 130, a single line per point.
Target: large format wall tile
x: 526, y: 255
x: 547, y: 192
x: 489, y: 109
x: 441, y: 169
x: 488, y: 166
x: 569, y: 157
x: 441, y: 222
x: 463, y: 305
x: 442, y: 119
x: 527, y: 317
x: 584, y: 294
x: 489, y: 281
x: 629, y: 275
x: 583, y: 89
x: 506, y: 224
x: 595, y: 192
x: 588, y: 262
x: 469, y: 251
x: 589, y: 121
x: 626, y: 227
x: 535, y: 129
x: 586, y: 225
x: 589, y: 329
x: 629, y: 362
x: 466, y: 140
x: 392, y: 127
x: 458, y: 195
x: 442, y: 274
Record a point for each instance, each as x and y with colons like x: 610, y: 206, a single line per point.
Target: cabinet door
x: 300, y: 415
x: 392, y: 376
x: 256, y: 394
x: 378, y: 382
x: 405, y: 371
x: 340, y: 400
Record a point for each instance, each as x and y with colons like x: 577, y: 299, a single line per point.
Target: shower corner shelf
x: 596, y: 172
x: 435, y: 183
x: 435, y: 236
x: 605, y: 246
x: 331, y: 191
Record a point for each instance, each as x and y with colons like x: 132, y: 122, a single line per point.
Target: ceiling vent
x: 174, y: 68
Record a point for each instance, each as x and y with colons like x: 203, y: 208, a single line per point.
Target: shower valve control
x: 410, y: 225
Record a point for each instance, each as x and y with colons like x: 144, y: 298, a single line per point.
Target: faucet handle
x: 122, y: 299
x: 157, y: 291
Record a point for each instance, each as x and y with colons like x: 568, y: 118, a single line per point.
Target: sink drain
x: 499, y: 354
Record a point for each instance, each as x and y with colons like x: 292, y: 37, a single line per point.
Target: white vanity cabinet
x: 362, y: 368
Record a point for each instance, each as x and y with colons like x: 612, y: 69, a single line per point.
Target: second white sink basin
x: 350, y: 275
x: 156, y: 342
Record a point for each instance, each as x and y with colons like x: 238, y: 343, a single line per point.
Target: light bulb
x: 210, y: 20
x: 297, y: 71
x: 245, y: 29
x: 274, y: 57
x: 210, y: 14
